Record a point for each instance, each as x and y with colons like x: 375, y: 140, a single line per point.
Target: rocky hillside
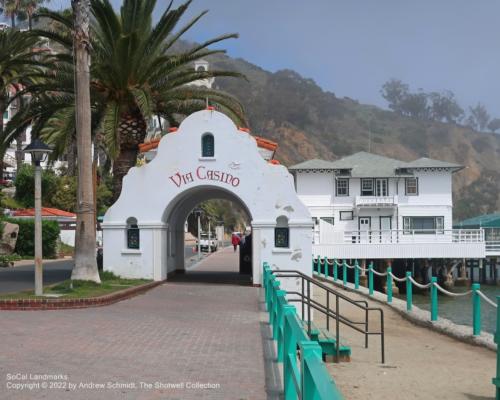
x: 309, y: 122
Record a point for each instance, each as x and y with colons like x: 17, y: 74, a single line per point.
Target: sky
x: 351, y: 47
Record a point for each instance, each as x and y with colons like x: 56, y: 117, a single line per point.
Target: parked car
x: 205, y: 243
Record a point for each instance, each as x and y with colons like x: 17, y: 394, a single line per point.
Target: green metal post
x: 335, y: 270
x: 434, y: 299
x: 280, y: 296
x: 389, y: 285
x: 325, y: 270
x: 314, y: 265
x: 309, y: 350
x: 409, y: 292
x: 344, y: 272
x: 356, y: 275
x: 289, y: 354
x: 476, y: 310
x: 370, y: 279
x: 496, y: 381
x: 275, y: 286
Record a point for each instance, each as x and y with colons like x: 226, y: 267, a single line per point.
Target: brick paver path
x: 179, y: 333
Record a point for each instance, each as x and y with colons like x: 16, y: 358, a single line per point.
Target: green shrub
x: 25, y: 186
x: 25, y: 245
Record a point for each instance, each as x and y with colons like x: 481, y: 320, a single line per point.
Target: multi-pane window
x: 411, y: 186
x: 346, y: 216
x: 207, y: 145
x: 367, y: 187
x: 423, y: 225
x: 282, y: 233
x: 342, y: 187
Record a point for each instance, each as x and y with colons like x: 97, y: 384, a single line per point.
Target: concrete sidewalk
x: 184, y: 333
x: 420, y: 363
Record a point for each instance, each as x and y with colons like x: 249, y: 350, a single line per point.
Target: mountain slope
x: 311, y: 123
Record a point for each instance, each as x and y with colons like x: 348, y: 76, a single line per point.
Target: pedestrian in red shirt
x: 235, y: 240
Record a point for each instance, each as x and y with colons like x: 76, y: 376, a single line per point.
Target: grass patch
x: 110, y: 283
x: 65, y: 250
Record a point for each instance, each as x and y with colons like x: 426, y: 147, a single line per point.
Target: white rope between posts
x: 419, y: 285
x: 398, y: 279
x: 486, y: 299
x: 442, y: 290
x: 379, y: 273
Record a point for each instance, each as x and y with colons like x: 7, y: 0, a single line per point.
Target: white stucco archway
x: 160, y: 194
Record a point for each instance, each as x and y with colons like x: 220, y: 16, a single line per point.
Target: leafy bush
x: 25, y: 186
x: 25, y: 245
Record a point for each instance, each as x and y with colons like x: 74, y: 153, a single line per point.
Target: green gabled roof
x: 430, y: 163
x: 369, y: 165
x: 314, y: 164
x: 481, y: 221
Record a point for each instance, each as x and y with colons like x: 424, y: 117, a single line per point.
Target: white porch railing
x: 493, y: 247
x: 394, y: 236
x: 376, y: 201
x: 386, y: 244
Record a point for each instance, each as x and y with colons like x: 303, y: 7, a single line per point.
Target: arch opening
x: 202, y: 222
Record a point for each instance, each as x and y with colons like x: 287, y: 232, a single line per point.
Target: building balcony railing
x: 493, y: 247
x: 416, y: 236
x: 421, y: 243
x: 376, y: 201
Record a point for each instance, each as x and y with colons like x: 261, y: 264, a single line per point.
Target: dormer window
x: 207, y: 145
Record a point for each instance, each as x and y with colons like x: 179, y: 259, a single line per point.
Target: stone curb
x: 64, y: 304
x: 422, y: 318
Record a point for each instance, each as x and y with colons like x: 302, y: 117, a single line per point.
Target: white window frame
x: 346, y: 188
x: 351, y: 218
x: 414, y: 187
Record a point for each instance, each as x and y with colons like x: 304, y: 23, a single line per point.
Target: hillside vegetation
x: 311, y: 123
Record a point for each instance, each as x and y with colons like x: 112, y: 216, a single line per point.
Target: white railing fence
x: 406, y: 236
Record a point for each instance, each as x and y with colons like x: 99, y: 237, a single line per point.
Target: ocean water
x: 459, y: 309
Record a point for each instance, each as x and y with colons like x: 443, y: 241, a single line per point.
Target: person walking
x: 235, y: 240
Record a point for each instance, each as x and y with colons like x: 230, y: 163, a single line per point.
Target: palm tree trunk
x: 85, y: 246
x: 121, y: 165
x: 3, y: 108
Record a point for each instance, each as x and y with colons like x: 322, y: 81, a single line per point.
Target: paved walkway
x: 183, y: 332
x: 420, y: 363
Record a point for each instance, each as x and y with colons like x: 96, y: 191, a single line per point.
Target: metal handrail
x: 306, y: 300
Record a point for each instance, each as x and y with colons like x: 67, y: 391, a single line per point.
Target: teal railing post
x: 344, y: 272
x: 335, y: 270
x: 325, y: 270
x: 272, y: 315
x: 434, y: 299
x: 409, y: 291
x: 289, y: 354
x: 370, y: 279
x: 389, y: 285
x: 356, y: 275
x: 280, y: 296
x: 496, y: 380
x: 309, y: 349
x: 476, y: 310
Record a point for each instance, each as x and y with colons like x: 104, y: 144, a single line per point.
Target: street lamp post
x: 38, y: 151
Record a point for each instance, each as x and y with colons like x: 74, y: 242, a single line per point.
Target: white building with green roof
x: 366, y: 206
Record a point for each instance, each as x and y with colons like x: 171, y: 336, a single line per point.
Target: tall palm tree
x: 136, y: 74
x: 85, y: 240
x: 19, y: 69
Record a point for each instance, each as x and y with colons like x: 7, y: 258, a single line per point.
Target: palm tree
x: 85, y: 240
x: 136, y: 74
x: 19, y: 69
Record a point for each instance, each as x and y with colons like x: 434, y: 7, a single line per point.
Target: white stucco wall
x: 163, y: 192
